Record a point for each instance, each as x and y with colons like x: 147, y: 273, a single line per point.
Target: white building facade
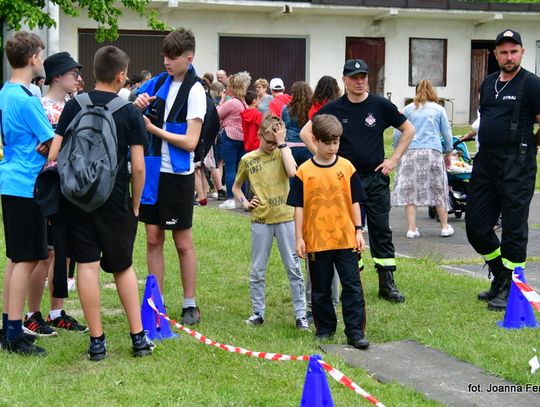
x: 447, y: 44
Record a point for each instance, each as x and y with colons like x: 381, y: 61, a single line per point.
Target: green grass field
x: 441, y: 311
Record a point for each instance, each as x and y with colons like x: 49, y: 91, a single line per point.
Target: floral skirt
x: 421, y: 179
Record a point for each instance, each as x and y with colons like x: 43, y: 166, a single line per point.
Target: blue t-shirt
x: 24, y: 125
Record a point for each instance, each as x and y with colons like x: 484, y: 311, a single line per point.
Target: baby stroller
x: 458, y: 170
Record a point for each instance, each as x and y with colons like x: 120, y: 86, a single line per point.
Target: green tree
x: 106, y: 13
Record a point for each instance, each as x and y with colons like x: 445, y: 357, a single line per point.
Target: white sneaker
x: 411, y: 234
x: 212, y: 195
x: 449, y: 231
x: 228, y: 204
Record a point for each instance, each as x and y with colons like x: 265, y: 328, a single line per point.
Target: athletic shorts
x: 25, y: 229
x: 174, y: 207
x: 106, y: 235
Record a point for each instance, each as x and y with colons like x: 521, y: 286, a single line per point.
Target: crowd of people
x: 309, y: 165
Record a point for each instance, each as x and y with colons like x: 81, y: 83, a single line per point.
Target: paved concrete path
x: 437, y: 375
x: 456, y: 247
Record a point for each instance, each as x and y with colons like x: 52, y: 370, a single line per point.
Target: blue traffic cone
x: 316, y: 391
x: 156, y: 328
x: 519, y: 312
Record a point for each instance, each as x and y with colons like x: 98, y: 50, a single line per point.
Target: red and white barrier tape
x: 334, y: 373
x: 528, y: 292
x: 228, y: 348
x: 344, y: 380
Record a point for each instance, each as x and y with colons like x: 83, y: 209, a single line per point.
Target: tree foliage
x: 105, y: 12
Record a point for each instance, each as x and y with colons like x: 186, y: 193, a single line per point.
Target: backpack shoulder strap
x: 83, y: 100
x: 116, y: 104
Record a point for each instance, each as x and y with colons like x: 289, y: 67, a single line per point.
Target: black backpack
x: 87, y: 162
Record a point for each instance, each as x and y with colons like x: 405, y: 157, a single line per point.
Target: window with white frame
x: 427, y: 60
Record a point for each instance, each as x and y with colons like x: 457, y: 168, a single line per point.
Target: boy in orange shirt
x: 326, y: 194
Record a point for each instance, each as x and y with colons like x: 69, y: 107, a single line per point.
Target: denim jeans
x: 232, y: 151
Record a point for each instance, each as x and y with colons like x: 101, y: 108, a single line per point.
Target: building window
x: 427, y: 60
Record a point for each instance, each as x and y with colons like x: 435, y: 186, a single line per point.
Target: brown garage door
x: 264, y: 57
x: 143, y: 48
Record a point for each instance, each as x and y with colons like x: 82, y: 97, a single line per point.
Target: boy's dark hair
x: 136, y: 78
x: 21, y: 47
x: 251, y: 95
x: 177, y: 42
x: 326, y: 127
x: 108, y: 62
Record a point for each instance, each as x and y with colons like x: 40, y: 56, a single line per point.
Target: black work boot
x: 500, y: 301
x: 387, y: 287
x: 496, y: 269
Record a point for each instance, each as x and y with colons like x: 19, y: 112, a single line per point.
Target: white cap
x: 277, y: 84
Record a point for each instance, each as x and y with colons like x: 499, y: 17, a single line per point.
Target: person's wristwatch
x: 359, y: 227
x: 283, y: 145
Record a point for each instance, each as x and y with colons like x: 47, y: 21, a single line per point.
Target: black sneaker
x: 221, y: 195
x: 255, y: 320
x: 142, y: 346
x: 191, y: 316
x: 302, y: 324
x: 23, y: 345
x: 97, y: 349
x: 64, y: 321
x: 37, y: 325
x: 358, y: 343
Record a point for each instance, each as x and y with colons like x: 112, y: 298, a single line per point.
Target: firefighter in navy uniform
x: 504, y: 171
x: 364, y: 118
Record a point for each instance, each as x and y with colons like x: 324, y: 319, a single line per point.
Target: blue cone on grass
x: 316, y: 390
x: 155, y: 328
x: 519, y: 312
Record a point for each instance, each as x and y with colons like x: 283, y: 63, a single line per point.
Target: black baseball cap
x: 58, y: 64
x: 509, y: 35
x: 355, y: 66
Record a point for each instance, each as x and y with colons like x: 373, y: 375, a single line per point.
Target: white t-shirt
x: 196, y: 109
x: 124, y: 93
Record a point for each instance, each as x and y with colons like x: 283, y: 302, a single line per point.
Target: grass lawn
x: 441, y: 311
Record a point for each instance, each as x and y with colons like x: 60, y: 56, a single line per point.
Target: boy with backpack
x: 26, y: 134
x: 102, y: 220
x: 268, y: 170
x: 61, y: 75
x: 326, y: 194
x: 177, y: 105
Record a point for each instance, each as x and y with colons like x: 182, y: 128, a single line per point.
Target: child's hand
x: 254, y: 203
x: 143, y: 101
x: 279, y: 132
x: 360, y: 243
x: 301, y: 248
x: 148, y: 123
x: 43, y: 149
